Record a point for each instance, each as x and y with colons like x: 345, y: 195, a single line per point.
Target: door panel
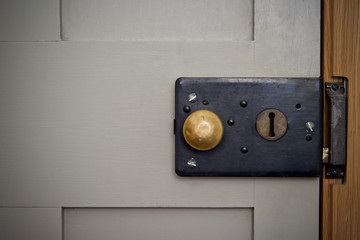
x: 89, y: 123
x: 158, y: 223
x: 35, y: 20
x: 30, y: 223
x: 286, y: 208
x: 158, y: 20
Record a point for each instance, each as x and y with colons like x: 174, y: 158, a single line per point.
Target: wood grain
x: 341, y: 58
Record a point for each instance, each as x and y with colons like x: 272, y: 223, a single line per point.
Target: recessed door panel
x: 88, y: 122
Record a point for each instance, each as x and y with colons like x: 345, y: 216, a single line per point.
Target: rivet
x: 243, y: 103
x: 187, y: 109
x: 231, y: 122
x: 244, y: 149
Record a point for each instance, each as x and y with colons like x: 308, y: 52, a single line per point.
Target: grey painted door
x: 86, y: 110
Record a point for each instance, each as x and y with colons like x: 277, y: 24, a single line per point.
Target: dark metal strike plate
x: 245, y: 148
x: 336, y: 92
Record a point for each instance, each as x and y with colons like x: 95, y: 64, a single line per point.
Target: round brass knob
x: 203, y: 130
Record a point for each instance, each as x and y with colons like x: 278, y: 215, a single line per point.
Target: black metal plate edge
x: 318, y: 173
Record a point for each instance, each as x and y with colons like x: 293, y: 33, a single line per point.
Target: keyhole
x: 271, y: 128
x: 271, y: 124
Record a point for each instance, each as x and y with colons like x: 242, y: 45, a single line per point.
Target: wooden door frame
x: 341, y: 58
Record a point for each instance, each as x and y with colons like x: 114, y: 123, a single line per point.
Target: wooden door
x: 341, y: 59
x: 87, y: 109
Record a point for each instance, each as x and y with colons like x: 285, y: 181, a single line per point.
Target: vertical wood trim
x: 341, y: 58
x: 327, y: 76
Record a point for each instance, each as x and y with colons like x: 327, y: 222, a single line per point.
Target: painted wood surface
x: 89, y: 123
x: 30, y: 223
x: 154, y: 223
x: 171, y: 20
x: 29, y: 20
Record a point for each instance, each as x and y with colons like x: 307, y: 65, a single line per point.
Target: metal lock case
x: 255, y: 127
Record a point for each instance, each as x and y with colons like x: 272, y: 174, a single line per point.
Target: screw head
x: 187, y: 109
x: 231, y: 122
x: 191, y: 163
x: 192, y: 97
x: 335, y: 87
x: 243, y: 103
x: 310, y: 126
x: 244, y: 149
x: 308, y: 137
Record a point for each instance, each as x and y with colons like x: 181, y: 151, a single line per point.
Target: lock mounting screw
x: 335, y: 87
x: 192, y: 97
x: 191, y: 163
x: 310, y: 126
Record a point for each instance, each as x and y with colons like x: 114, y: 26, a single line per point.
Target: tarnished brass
x: 325, y: 155
x: 271, y: 124
x: 203, y: 130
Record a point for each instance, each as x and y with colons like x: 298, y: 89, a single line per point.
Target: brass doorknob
x: 203, y: 130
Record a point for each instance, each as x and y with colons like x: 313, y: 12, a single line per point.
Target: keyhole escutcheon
x: 271, y: 124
